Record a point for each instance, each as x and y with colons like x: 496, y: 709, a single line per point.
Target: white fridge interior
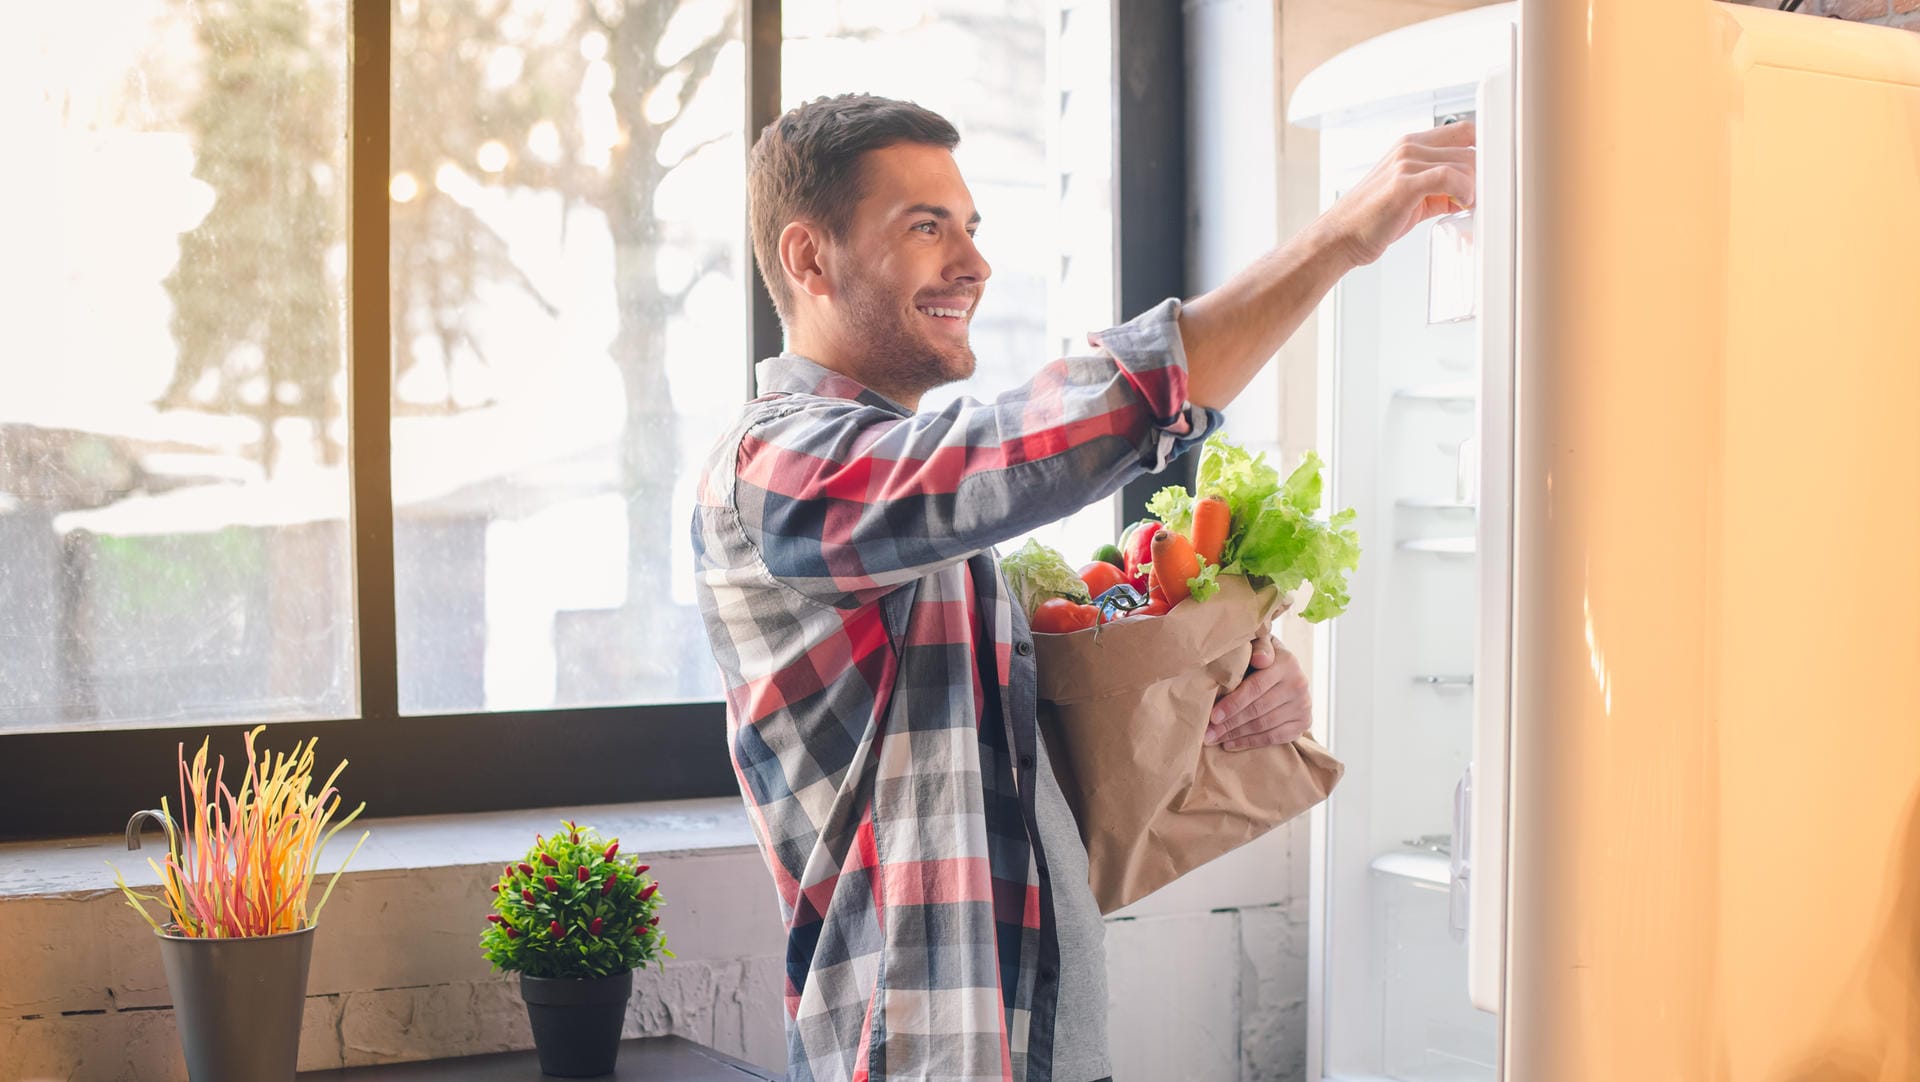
x: 1415, y: 385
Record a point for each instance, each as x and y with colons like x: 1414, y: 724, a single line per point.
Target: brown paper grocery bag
x: 1124, y: 710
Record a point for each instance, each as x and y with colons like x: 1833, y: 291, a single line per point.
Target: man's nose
x: 968, y: 264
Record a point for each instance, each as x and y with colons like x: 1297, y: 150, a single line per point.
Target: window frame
x: 87, y: 781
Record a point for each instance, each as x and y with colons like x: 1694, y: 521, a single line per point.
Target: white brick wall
x: 397, y: 972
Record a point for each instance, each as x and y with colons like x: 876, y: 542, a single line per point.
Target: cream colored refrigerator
x: 1630, y: 693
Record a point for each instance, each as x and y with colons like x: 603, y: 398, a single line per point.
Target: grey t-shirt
x: 1080, y: 1026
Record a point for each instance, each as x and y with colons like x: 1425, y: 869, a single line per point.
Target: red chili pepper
x: 547, y: 859
x: 495, y: 888
x: 525, y: 868
x: 639, y: 930
x: 509, y: 871
x: 576, y: 839
x: 511, y: 934
x: 641, y: 869
x: 583, y: 873
x: 495, y: 918
x: 549, y: 881
x: 607, y: 888
x: 528, y: 895
x: 653, y: 921
x: 558, y: 932
x: 648, y: 893
x: 594, y: 928
x: 611, y: 850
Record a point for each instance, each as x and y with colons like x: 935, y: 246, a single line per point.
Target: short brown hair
x: 807, y: 165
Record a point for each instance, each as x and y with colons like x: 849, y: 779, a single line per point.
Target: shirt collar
x: 790, y: 373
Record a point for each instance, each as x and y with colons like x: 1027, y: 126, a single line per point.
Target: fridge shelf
x: 1456, y: 396
x: 1435, y: 505
x: 1427, y: 867
x: 1444, y: 546
x: 1435, y: 681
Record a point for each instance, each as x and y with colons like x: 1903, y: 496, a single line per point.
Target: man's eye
x: 924, y: 227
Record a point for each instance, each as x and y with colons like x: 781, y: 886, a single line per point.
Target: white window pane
x: 173, y: 541
x: 1025, y: 84
x: 568, y: 260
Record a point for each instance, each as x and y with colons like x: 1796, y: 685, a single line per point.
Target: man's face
x: 907, y: 277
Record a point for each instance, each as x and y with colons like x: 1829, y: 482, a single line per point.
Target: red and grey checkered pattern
x: 880, y: 692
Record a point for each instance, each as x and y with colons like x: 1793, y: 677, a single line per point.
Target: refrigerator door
x: 1485, y: 790
x: 1715, y: 792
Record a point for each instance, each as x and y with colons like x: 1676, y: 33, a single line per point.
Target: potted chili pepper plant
x: 575, y: 918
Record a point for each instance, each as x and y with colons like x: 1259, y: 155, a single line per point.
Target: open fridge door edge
x: 1483, y: 796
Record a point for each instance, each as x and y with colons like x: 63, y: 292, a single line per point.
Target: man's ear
x: 804, y: 258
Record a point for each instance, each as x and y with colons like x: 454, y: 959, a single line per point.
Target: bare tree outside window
x: 568, y: 284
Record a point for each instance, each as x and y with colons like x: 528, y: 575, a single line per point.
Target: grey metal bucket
x: 238, y: 1003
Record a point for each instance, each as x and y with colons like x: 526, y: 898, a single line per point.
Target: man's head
x: 863, y: 231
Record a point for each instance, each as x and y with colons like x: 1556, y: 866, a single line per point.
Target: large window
x: 172, y: 495
x: 434, y: 506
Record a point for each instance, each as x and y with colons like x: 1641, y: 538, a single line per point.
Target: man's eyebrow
x: 941, y: 213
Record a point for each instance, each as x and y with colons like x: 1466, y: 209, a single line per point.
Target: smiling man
x: 880, y: 687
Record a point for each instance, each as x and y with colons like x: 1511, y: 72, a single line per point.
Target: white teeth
x: 950, y: 313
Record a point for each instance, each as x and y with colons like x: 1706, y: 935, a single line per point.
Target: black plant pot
x: 576, y: 1021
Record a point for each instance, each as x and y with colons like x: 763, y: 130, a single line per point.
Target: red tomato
x: 1058, y: 616
x: 1156, y: 605
x: 1101, y: 576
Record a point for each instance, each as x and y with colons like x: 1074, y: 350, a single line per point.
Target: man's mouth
x: 942, y: 312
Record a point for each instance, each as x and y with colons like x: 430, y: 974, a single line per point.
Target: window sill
x: 647, y: 1057
x: 73, y: 866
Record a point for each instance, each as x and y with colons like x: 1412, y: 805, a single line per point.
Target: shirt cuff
x: 1149, y: 353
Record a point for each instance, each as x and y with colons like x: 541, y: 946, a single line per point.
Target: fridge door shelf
x: 1425, y: 867
x: 1413, y: 504
x: 1442, y: 546
x: 1441, y: 682
x: 1452, y: 396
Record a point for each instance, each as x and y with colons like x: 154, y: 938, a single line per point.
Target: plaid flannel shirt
x: 880, y: 688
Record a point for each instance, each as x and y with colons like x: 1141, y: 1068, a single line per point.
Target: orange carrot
x: 1174, y: 563
x: 1209, y: 530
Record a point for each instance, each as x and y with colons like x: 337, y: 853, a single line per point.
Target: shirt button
x: 1026, y: 762
x: 1023, y: 648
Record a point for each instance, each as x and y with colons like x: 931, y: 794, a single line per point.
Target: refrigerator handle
x: 1460, y: 857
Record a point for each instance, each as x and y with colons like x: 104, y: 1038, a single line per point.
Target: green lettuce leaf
x: 1173, y: 506
x: 1275, y: 533
x: 1206, y: 583
x: 1035, y: 573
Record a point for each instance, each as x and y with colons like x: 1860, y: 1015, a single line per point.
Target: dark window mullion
x: 764, y: 36
x: 370, y: 366
x: 1150, y: 183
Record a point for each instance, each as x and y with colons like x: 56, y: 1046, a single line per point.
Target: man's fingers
x: 1273, y: 705
x: 1285, y: 734
x: 1446, y: 135
x: 1263, y: 652
x: 1441, y: 183
x: 1233, y: 705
